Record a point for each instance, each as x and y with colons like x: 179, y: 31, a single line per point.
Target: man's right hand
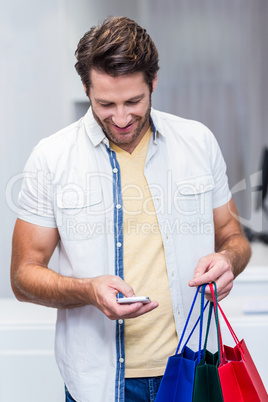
x: 104, y: 293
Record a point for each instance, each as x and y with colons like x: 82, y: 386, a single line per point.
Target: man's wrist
x: 229, y: 256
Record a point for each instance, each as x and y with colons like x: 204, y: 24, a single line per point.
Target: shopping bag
x: 178, y: 380
x: 239, y: 377
x: 207, y: 387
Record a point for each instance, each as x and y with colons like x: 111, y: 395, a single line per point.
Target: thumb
x: 200, y: 269
x: 122, y: 287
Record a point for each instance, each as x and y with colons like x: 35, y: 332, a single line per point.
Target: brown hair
x: 117, y: 46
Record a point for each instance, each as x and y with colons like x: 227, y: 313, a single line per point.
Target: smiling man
x: 138, y: 203
x: 121, y: 106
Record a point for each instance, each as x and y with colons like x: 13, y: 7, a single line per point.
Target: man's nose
x: 121, y: 117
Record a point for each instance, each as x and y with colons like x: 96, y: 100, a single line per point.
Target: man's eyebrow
x: 134, y: 98
x: 138, y: 97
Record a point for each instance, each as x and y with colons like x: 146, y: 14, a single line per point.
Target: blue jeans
x: 136, y: 389
x: 68, y: 397
x: 141, y: 389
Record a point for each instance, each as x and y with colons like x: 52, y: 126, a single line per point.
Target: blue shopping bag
x: 178, y: 380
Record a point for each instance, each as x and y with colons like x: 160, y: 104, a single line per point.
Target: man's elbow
x: 17, y: 286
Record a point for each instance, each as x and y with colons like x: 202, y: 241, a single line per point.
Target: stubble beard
x: 108, y: 133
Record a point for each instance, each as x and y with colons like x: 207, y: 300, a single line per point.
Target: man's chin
x: 118, y: 139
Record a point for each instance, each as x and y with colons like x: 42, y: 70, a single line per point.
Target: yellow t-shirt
x: 151, y: 338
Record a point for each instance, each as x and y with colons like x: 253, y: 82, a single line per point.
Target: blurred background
x: 213, y: 68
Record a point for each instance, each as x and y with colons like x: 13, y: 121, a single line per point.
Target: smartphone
x: 134, y: 299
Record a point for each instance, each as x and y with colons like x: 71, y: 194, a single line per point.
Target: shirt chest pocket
x: 193, y: 198
x: 80, y: 214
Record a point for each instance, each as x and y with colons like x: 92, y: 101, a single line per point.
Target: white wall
x: 32, y: 97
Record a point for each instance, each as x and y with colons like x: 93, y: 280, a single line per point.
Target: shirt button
x: 115, y: 170
x: 119, y: 244
x: 121, y: 360
x: 118, y: 206
x: 120, y: 321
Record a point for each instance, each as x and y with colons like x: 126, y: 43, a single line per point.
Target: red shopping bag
x: 239, y: 377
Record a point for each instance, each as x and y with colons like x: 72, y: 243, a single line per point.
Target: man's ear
x: 154, y: 83
x: 85, y: 89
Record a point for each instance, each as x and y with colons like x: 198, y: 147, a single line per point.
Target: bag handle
x: 208, y: 326
x: 232, y: 332
x: 212, y: 304
x: 187, y: 322
x: 201, y: 322
x: 195, y: 325
x: 213, y: 289
x: 229, y: 326
x: 188, y: 318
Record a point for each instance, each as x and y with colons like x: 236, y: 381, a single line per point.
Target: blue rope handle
x: 195, y: 325
x: 187, y: 320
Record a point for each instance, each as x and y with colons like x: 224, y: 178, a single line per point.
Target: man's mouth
x: 123, y: 129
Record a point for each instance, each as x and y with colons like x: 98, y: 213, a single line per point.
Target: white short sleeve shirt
x: 69, y: 184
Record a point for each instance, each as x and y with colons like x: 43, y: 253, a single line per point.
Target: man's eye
x: 106, y: 104
x: 133, y: 102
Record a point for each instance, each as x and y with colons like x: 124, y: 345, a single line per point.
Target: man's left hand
x: 217, y: 268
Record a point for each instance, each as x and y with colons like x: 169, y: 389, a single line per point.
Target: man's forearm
x: 41, y: 285
x: 236, y: 249
x: 32, y: 281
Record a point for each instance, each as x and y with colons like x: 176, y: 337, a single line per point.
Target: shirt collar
x: 92, y: 128
x: 156, y: 124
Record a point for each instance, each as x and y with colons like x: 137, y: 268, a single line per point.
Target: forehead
x: 126, y: 86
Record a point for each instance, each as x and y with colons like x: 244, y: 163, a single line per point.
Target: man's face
x: 121, y: 106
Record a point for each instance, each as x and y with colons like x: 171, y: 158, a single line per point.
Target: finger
x: 145, y: 308
x: 209, y: 276
x: 224, y: 282
x: 115, y: 311
x: 223, y: 295
x: 224, y: 285
x: 202, y: 267
x: 215, y: 269
x: 219, y: 296
x: 133, y: 310
x: 128, y: 309
x: 121, y: 286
